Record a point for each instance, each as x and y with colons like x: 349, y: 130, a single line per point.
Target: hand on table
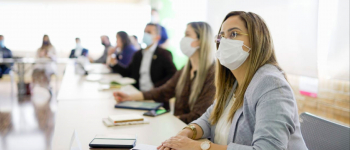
x: 180, y: 142
x: 121, y: 96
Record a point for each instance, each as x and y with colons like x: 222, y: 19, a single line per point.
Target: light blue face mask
x: 147, y: 39
x: 2, y: 45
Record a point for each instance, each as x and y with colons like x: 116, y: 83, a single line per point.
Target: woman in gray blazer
x: 255, y: 108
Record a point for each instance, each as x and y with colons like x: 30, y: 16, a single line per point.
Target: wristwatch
x: 193, y: 128
x: 205, y: 145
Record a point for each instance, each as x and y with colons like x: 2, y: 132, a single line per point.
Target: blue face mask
x: 2, y: 45
x: 147, y: 39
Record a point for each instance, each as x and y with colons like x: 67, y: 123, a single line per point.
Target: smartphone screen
x: 155, y: 112
x: 160, y: 111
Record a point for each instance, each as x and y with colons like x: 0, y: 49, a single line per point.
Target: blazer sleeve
x: 72, y: 53
x: 125, y: 70
x: 204, y: 100
x: 169, y: 67
x: 274, y: 112
x: 164, y: 92
x: 85, y: 52
x: 204, y: 123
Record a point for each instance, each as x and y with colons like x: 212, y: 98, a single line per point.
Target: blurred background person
x: 134, y: 41
x: 107, y: 44
x: 4, y: 53
x: 79, y: 50
x: 150, y: 67
x: 46, y: 66
x: 163, y: 42
x: 193, y: 86
x: 125, y: 50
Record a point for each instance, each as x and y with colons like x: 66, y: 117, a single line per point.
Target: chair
x: 321, y: 134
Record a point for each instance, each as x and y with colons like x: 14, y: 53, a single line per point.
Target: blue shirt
x: 5, y: 68
x: 163, y: 36
x: 124, y: 58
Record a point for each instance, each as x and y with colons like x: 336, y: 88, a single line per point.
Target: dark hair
x: 158, y: 28
x: 1, y: 36
x: 49, y: 42
x: 125, y: 38
x: 77, y: 38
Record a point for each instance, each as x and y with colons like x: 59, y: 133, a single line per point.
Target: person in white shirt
x: 150, y: 67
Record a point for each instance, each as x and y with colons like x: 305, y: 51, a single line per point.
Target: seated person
x: 192, y: 86
x: 254, y: 108
x: 125, y: 50
x: 42, y: 71
x: 6, y: 53
x: 105, y: 42
x: 150, y: 67
x: 79, y: 50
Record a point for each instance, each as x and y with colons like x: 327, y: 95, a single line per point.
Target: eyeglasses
x: 232, y: 36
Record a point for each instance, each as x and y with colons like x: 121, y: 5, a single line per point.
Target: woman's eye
x: 233, y: 34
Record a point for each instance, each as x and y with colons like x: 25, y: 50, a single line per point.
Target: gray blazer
x: 268, y: 119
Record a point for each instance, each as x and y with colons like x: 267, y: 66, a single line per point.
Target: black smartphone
x: 154, y: 113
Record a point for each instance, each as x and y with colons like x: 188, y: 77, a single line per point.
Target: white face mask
x: 186, y: 48
x: 231, y: 54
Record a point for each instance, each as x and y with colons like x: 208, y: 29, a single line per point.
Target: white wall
x: 292, y: 23
x: 24, y: 23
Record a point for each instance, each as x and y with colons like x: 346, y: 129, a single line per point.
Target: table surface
x: 77, y: 87
x: 86, y: 118
x: 81, y: 107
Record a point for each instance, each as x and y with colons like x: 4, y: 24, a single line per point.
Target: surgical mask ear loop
x: 247, y: 47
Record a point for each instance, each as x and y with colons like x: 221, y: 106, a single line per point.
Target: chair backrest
x: 321, y: 134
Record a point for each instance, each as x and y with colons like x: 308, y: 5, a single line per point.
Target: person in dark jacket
x: 4, y: 53
x: 79, y: 50
x: 150, y: 67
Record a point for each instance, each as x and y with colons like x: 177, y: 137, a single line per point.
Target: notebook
x: 125, y: 118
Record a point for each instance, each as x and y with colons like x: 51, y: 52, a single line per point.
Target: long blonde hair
x: 262, y: 52
x: 206, y: 59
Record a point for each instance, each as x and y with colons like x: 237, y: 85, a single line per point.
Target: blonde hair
x: 206, y: 59
x: 262, y: 52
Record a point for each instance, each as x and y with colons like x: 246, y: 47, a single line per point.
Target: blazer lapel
x: 232, y: 133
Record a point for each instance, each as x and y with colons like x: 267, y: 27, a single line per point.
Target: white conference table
x: 77, y: 87
x: 86, y: 118
x: 81, y: 107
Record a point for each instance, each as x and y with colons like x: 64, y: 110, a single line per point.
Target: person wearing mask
x: 4, y: 53
x: 255, y: 107
x: 79, y: 50
x: 163, y: 42
x: 192, y: 86
x: 43, y: 70
x: 105, y: 42
x: 150, y: 67
x: 135, y: 42
x: 125, y: 50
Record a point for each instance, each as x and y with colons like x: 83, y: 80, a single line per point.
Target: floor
x: 26, y: 122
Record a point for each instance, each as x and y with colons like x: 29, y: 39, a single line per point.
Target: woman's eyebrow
x: 233, y: 29
x: 230, y: 30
